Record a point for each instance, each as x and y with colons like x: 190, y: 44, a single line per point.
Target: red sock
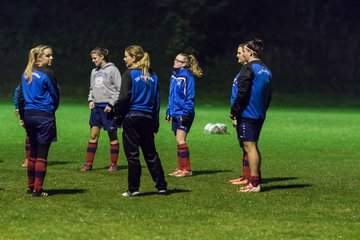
x: 255, y: 180
x: 31, y: 172
x: 245, y: 167
x: 40, y: 171
x: 114, y: 153
x: 27, y: 147
x: 184, y: 157
x: 90, y: 155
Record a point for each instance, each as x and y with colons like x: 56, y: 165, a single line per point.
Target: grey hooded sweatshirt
x: 105, y: 84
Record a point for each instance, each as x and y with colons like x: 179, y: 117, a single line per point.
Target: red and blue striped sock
x: 184, y: 157
x: 31, y: 172
x: 255, y: 180
x: 40, y: 172
x: 114, y: 153
x: 90, y: 155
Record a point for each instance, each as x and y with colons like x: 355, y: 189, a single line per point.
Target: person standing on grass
x: 38, y: 100
x: 180, y: 108
x: 244, y: 178
x: 27, y: 142
x: 249, y: 107
x: 105, y: 82
x: 138, y: 111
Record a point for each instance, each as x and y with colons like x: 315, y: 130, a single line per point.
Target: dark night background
x: 311, y: 46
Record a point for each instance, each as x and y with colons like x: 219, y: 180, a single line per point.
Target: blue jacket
x: 251, y: 93
x: 139, y: 97
x: 42, y: 93
x: 16, y: 93
x: 181, y: 94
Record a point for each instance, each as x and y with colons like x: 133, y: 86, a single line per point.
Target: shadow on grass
x: 54, y: 163
x: 205, y: 172
x: 169, y: 192
x: 277, y: 179
x: 284, y: 187
x: 1, y: 189
x: 65, y: 191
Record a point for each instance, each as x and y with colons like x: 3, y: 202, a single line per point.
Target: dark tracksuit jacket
x: 139, y: 98
x: 251, y: 93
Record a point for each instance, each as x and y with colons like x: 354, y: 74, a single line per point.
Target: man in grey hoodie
x: 105, y: 83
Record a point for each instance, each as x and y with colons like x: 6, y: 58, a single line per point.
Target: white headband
x: 250, y: 49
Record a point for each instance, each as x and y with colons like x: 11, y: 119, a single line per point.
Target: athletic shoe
x: 183, y: 173
x: 29, y: 190
x: 130, y: 194
x: 240, y: 181
x: 250, y: 188
x: 25, y: 163
x: 86, y: 168
x: 39, y: 194
x: 235, y: 179
x: 163, y: 192
x: 175, y: 172
x: 113, y: 168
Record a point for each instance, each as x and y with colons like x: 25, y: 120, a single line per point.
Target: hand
x: 16, y: 112
x: 91, y: 105
x: 22, y: 123
x: 107, y: 109
x: 168, y: 118
x: 233, y: 120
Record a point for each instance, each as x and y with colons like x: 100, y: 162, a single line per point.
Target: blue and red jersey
x: 181, y: 94
x: 251, y: 92
x: 139, y: 97
x: 41, y: 94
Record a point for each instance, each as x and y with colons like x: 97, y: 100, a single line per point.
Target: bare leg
x: 254, y: 156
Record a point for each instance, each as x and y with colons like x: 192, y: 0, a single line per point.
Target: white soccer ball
x: 217, y: 128
x: 207, y: 128
x: 222, y: 128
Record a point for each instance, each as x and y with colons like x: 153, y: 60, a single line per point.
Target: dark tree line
x: 311, y: 46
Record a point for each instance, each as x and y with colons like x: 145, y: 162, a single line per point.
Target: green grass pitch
x: 310, y: 169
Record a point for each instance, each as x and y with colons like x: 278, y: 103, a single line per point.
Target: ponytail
x: 34, y: 55
x: 192, y: 64
x: 142, y: 60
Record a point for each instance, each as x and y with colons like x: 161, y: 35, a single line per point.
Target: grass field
x: 310, y: 182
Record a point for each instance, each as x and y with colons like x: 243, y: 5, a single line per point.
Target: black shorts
x: 248, y: 130
x: 40, y: 125
x: 102, y: 119
x: 178, y: 123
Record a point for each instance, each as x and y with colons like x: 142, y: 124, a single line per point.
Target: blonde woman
x: 38, y: 100
x: 180, y: 108
x: 138, y: 110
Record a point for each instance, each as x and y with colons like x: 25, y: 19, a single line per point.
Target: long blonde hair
x: 34, y: 55
x: 142, y: 59
x: 192, y: 64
